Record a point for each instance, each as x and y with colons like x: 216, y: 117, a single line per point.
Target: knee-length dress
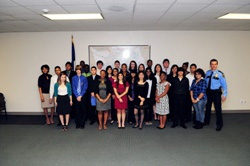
x: 120, y: 89
x: 103, y: 94
x: 141, y: 90
x: 162, y: 108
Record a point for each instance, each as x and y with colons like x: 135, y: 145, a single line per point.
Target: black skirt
x: 63, y: 105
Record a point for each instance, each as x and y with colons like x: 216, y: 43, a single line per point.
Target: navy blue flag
x: 73, y: 58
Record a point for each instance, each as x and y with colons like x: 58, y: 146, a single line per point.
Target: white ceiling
x: 119, y: 15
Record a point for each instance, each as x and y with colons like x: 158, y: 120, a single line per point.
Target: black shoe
x: 92, y: 122
x: 119, y: 127
x: 173, y: 126
x: 77, y: 126
x: 218, y: 128
x: 140, y: 128
x: 82, y: 127
x: 123, y: 127
x: 184, y: 126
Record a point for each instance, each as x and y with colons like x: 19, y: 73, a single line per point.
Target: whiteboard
x: 108, y: 54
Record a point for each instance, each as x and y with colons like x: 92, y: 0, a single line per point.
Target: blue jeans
x: 200, y: 110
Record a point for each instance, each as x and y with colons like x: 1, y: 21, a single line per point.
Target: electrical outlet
x: 243, y: 101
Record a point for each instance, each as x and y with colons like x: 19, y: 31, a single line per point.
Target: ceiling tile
x: 187, y: 7
x: 4, y: 3
x: 221, y: 8
x: 177, y: 15
x: 152, y: 8
x: 155, y: 1
x: 244, y: 9
x: 15, y: 10
x: 82, y: 8
x: 239, y: 2
x: 195, y: 1
x: 30, y: 17
x: 117, y: 9
x: 34, y: 2
x: 75, y: 2
x: 52, y: 9
x: 115, y: 2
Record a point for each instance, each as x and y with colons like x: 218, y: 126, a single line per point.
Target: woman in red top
x: 121, y: 100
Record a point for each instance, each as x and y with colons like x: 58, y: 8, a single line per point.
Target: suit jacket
x: 71, y: 75
x: 92, y: 83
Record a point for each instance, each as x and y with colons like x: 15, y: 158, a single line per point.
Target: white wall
x: 22, y: 54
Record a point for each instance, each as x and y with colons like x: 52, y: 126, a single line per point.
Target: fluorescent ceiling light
x: 236, y: 16
x: 73, y: 16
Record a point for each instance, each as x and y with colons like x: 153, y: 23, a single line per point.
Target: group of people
x: 136, y: 94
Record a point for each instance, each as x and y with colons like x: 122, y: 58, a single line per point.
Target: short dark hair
x: 149, y: 60
x: 165, y: 60
x: 57, y: 67
x: 213, y: 60
x: 181, y: 69
x: 193, y: 64
x: 68, y: 63
x: 186, y: 63
x: 200, y: 71
x: 93, y: 67
x: 162, y: 72
x: 117, y: 61
x: 45, y: 66
x: 99, y: 61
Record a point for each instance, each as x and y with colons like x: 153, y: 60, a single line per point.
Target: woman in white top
x: 63, y: 100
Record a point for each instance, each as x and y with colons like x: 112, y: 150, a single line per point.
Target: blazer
x: 180, y: 87
x: 108, y: 85
x: 92, y: 83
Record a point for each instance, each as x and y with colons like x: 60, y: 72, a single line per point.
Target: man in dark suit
x: 69, y: 71
x: 91, y: 113
x: 70, y: 74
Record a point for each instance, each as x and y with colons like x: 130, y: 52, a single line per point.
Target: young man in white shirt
x: 166, y: 67
x: 190, y: 77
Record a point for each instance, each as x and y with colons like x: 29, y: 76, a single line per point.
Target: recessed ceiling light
x: 240, y: 16
x: 73, y: 16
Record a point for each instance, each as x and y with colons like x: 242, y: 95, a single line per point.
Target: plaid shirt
x: 199, y: 88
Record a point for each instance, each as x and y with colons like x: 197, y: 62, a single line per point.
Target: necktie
x: 79, y: 86
x: 209, y: 81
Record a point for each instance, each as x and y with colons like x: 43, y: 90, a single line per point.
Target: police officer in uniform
x: 216, y: 93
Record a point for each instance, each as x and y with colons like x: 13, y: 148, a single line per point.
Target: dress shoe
x: 173, y: 126
x: 184, y: 126
x: 218, y: 128
x: 82, y: 127
x: 77, y: 126
x: 92, y: 122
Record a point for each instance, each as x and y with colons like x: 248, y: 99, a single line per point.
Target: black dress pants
x: 80, y: 111
x: 179, y: 104
x: 214, y: 96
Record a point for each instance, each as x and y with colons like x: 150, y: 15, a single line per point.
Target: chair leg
x: 6, y: 117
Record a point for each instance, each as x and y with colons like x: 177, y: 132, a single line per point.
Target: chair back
x: 2, y: 100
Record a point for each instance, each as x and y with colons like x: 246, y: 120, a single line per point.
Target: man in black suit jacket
x: 69, y: 71
x: 92, y: 81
